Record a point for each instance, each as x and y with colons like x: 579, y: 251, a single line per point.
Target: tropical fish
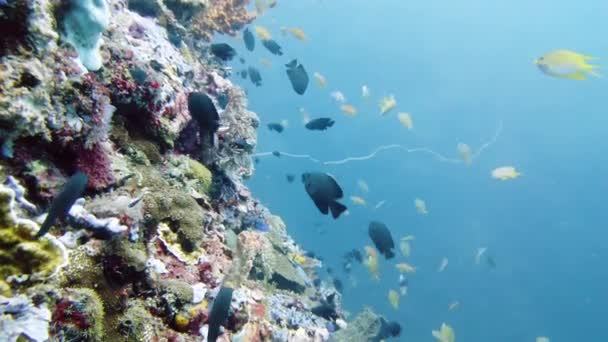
x: 480, y: 252
x: 382, y: 238
x: 420, y: 206
x: 363, y: 185
x: 305, y: 116
x: 203, y: 111
x: 387, y: 104
x: 249, y: 39
x: 566, y: 64
x: 223, y: 51
x: 290, y: 178
x: 244, y: 74
x: 387, y: 330
x: 324, y: 190
x: 403, y: 285
x: 219, y: 312
x: 443, y: 265
x: 372, y: 262
x: 277, y: 127
x: 405, y: 268
x: 405, y: 248
x: 319, y: 124
x: 505, y: 173
x: 272, y: 46
x: 393, y: 298
x: 465, y: 153
x: 354, y: 254
x: 453, y: 305
x: 296, y: 32
x: 262, y: 33
x: 254, y: 76
x: 338, y: 96
x: 326, y: 309
x: 358, y: 200
x: 405, y: 120
x: 445, y: 334
x: 297, y: 76
x: 348, y: 110
x: 61, y: 204
x: 365, y: 91
x: 321, y: 81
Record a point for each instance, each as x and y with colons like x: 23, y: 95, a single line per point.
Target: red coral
x: 95, y: 163
x: 66, y: 313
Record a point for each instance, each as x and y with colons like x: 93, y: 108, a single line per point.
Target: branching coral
x: 223, y: 16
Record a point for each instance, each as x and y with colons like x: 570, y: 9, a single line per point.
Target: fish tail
x: 592, y: 69
x: 336, y: 209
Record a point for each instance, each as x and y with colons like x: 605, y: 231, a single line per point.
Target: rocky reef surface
x: 102, y: 87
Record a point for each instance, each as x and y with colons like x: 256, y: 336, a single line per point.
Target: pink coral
x: 95, y: 163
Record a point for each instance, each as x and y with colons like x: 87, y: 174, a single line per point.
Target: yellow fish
x: 420, y: 206
x: 445, y: 334
x: 406, y: 120
x: 363, y: 185
x: 542, y: 339
x: 372, y: 262
x: 393, y: 298
x: 405, y: 268
x: 263, y: 33
x: 298, y: 259
x: 453, y: 305
x: 566, y: 64
x: 296, y: 32
x: 465, y: 153
x: 405, y: 248
x: 505, y: 173
x: 358, y: 200
x: 321, y: 81
x: 265, y: 62
x: 387, y: 104
x: 348, y: 110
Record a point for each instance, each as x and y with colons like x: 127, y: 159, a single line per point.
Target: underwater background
x: 460, y: 68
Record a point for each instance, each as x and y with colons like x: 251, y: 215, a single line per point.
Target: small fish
x: 406, y: 120
x: 242, y: 60
x: 479, y: 253
x: 393, y: 298
x: 277, y: 127
x: 405, y: 268
x: 305, y: 116
x: 338, y: 96
x: 272, y: 46
x: 266, y: 63
x: 372, y: 262
x: 324, y: 191
x: 276, y: 154
x: 223, y: 51
x: 453, y: 305
x: 566, y: 64
x: 405, y: 248
x: 244, y: 74
x: 387, y: 104
x: 363, y: 186
x: 382, y: 238
x: 505, y: 173
x: 262, y: 33
x: 465, y: 153
x: 387, y: 330
x: 296, y: 32
x: 379, y: 204
x: 542, y: 339
x: 319, y: 124
x: 326, y: 309
x: 203, y: 111
x: 443, y: 265
x: 297, y: 76
x: 365, y: 92
x: 61, y: 204
x: 403, y: 285
x: 249, y: 39
x: 354, y: 254
x: 420, y: 206
x: 254, y: 76
x: 290, y: 178
x: 358, y: 200
x: 338, y: 285
x: 348, y: 110
x: 321, y: 81
x: 219, y: 312
x: 444, y: 334
x: 491, y: 262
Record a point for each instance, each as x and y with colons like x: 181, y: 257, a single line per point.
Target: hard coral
x: 223, y: 16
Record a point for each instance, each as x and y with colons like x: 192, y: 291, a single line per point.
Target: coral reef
x: 223, y: 16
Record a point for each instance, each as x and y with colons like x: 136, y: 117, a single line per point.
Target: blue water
x: 459, y: 68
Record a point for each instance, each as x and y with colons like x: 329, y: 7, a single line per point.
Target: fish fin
x: 577, y: 76
x: 321, y: 205
x: 337, y: 209
x: 46, y: 225
x: 588, y: 58
x: 592, y: 70
x: 389, y: 254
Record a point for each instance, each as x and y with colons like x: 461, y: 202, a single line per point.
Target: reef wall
x: 102, y: 87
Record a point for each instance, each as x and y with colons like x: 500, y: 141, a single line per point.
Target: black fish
x: 387, y: 329
x: 276, y: 154
x: 274, y: 126
x: 204, y: 112
x: 273, y: 47
x: 254, y: 76
x: 316, y: 282
x: 72, y: 190
x: 219, y: 312
x: 248, y: 39
x: 338, y: 285
x: 242, y: 60
x: 324, y: 191
x: 327, y: 308
x: 223, y: 51
x: 319, y: 124
x: 382, y: 238
x: 244, y: 74
x: 290, y: 178
x: 298, y: 76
